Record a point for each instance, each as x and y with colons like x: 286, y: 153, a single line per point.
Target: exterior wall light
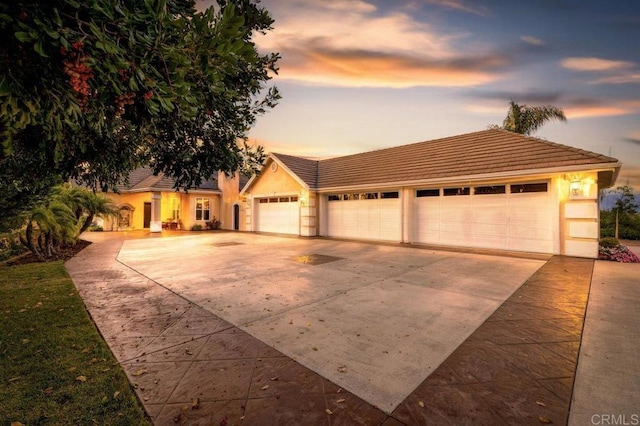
x: 574, y: 186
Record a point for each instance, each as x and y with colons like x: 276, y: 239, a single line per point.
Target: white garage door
x: 369, y: 216
x: 511, y: 217
x: 278, y: 214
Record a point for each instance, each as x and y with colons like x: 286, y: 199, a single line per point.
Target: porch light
x: 574, y: 186
x: 303, y: 200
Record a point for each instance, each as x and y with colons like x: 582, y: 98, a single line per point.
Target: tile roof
x: 483, y: 152
x: 305, y: 169
x: 143, y: 179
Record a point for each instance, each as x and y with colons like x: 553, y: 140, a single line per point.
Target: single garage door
x: 368, y: 216
x: 511, y: 217
x: 278, y: 214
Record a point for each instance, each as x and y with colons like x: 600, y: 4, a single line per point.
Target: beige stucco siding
x: 276, y: 182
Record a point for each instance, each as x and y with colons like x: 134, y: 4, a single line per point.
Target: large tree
x: 525, y: 119
x: 92, y: 89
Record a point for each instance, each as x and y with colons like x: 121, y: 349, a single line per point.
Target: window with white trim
x: 203, y: 209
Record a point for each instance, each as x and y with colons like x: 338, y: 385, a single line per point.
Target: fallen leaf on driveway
x: 195, y: 404
x: 274, y: 378
x: 421, y: 404
x: 342, y: 369
x: 340, y: 400
x: 544, y: 419
x: 314, y: 348
x: 329, y: 412
x: 540, y: 403
x: 140, y: 372
x: 265, y: 387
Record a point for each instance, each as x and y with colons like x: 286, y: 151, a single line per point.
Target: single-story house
x: 151, y: 202
x: 489, y: 189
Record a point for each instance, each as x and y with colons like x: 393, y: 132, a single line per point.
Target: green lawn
x: 55, y: 368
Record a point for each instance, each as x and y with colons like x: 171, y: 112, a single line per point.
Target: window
x: 447, y: 192
x: 294, y: 199
x: 428, y: 193
x: 284, y: 199
x: 273, y: 200
x: 393, y: 194
x: 351, y: 197
x: 175, y: 208
x: 202, y: 209
x: 486, y: 190
x: 369, y: 196
x: 334, y: 197
x: 263, y: 200
x: 528, y: 187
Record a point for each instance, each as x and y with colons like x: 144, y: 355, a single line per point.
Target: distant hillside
x: 609, y: 200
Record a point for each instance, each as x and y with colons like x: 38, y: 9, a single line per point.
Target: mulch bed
x: 65, y: 254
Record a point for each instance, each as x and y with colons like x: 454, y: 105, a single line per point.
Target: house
x: 489, y: 189
x: 151, y: 202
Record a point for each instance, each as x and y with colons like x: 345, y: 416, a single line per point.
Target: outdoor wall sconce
x: 303, y: 200
x: 574, y: 186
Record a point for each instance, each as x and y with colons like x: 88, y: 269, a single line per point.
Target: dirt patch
x: 65, y: 254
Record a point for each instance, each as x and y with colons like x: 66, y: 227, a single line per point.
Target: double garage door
x: 507, y: 217
x: 278, y: 214
x: 513, y: 217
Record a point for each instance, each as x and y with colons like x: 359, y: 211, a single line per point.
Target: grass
x: 55, y: 368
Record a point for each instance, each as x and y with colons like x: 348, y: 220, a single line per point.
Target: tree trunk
x: 27, y: 241
x: 86, y: 224
x: 617, y: 225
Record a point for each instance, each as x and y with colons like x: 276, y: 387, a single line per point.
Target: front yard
x: 55, y: 368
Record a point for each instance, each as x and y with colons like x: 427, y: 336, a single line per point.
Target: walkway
x: 191, y: 367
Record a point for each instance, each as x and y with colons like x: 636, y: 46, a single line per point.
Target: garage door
x: 511, y: 217
x: 278, y: 214
x: 369, y: 216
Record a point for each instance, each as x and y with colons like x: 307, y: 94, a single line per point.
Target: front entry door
x: 147, y: 215
x: 236, y: 217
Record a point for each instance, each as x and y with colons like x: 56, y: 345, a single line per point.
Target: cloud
x: 353, y: 44
x: 534, y: 41
x: 574, y: 107
x: 360, y: 68
x: 595, y: 64
x: 618, y: 79
x: 616, y: 72
x: 461, y: 6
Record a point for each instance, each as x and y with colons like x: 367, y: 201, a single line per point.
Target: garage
x: 515, y: 216
x: 368, y: 216
x: 278, y: 214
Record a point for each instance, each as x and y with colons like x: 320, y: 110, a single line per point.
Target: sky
x: 359, y: 75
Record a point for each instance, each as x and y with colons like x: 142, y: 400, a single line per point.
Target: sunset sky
x: 359, y: 75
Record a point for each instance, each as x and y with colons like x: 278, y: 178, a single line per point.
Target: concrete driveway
x: 374, y: 319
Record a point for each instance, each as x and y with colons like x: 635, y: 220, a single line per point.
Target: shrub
x: 196, y: 227
x: 96, y: 228
x: 609, y: 242
x: 213, y: 224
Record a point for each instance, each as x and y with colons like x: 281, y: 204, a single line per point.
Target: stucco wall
x: 272, y: 182
x: 580, y: 214
x: 230, y: 187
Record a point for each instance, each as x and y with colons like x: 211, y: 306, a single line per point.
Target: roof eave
x: 615, y: 167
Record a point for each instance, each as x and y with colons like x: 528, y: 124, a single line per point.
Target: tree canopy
x: 525, y: 119
x: 92, y: 89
